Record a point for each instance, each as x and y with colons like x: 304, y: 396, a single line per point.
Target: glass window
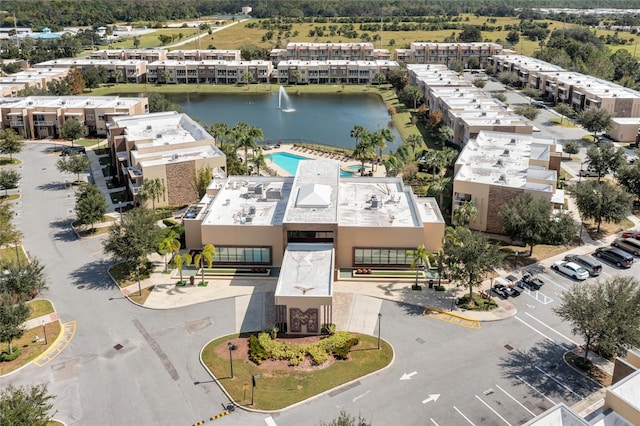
x: 380, y: 257
x: 244, y: 255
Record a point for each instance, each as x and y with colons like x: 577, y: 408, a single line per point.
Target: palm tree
x: 247, y: 77
x: 393, y: 164
x: 418, y: 259
x: 152, y: 189
x: 414, y: 142
x: 169, y: 244
x: 438, y: 185
x: 246, y: 141
x: 296, y: 75
x: 465, y: 213
x: 117, y: 75
x: 357, y: 132
x: 208, y: 253
x: 219, y: 131
x: 380, y: 139
x: 258, y: 160
x: 181, y: 260
x: 364, y: 150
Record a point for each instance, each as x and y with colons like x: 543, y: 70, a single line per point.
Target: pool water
x: 289, y: 162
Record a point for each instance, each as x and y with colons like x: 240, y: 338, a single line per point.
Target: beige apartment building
x: 329, y: 51
x: 204, y: 55
x: 149, y: 55
x: 310, y: 226
x: 42, y: 116
x: 208, y: 72
x: 332, y: 71
x: 495, y: 167
x: 36, y: 78
x: 447, y: 53
x: 168, y: 146
x: 131, y: 70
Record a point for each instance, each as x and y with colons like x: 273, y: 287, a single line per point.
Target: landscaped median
x: 279, y: 384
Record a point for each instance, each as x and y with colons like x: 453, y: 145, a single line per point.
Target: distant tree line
x: 56, y: 14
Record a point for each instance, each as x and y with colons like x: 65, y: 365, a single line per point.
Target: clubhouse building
x: 313, y: 226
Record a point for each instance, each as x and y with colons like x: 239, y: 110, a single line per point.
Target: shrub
x: 257, y: 353
x: 342, y: 352
x: 170, y: 223
x: 329, y: 329
x: 439, y: 288
x: 6, y: 356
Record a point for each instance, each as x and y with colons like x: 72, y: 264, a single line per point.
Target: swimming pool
x: 289, y: 162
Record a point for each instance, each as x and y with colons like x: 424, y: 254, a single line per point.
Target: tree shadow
x: 52, y: 186
x: 94, y: 276
x: 64, y: 230
x: 542, y: 370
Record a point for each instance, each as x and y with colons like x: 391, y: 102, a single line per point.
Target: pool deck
x: 311, y: 154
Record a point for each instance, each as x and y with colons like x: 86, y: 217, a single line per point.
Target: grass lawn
x: 104, y: 161
x: 9, y: 197
x: 39, y: 308
x: 607, y: 228
x: 30, y: 349
x: 93, y: 232
x: 6, y: 161
x: 86, y: 142
x: 125, y: 277
x: 8, y: 254
x: 540, y: 252
x: 143, y: 298
x: 152, y: 40
x: 562, y: 122
x: 279, y: 388
x: 105, y: 219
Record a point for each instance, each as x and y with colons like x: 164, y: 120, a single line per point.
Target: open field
x: 238, y: 35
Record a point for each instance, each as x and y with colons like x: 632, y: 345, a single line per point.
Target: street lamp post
x: 379, y: 321
x: 231, y: 346
x: 515, y: 260
x: 44, y: 331
x: 138, y: 276
x: 17, y: 254
x: 253, y: 384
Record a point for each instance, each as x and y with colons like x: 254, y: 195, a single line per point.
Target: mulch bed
x: 594, y: 372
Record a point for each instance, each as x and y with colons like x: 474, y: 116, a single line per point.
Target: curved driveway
x: 155, y: 378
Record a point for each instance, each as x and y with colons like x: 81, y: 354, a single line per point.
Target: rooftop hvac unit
x: 273, y: 194
x: 174, y: 157
x: 248, y: 219
x: 252, y: 210
x: 512, y: 141
x: 149, y: 127
x: 505, y: 152
x: 258, y: 189
x: 503, y: 178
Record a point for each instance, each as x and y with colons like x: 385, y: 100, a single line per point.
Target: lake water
x: 312, y: 118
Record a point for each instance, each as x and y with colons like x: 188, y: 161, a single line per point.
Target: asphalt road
x: 504, y: 373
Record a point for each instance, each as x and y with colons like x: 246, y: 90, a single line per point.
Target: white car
x: 571, y: 269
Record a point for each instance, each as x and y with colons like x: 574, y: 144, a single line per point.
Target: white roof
x: 314, y: 195
x: 307, y: 271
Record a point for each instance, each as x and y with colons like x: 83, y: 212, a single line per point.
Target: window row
x: 373, y: 257
x: 246, y: 255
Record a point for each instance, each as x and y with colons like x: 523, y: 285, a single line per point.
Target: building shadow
x: 52, y: 186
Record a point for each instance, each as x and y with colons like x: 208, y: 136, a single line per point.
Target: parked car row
x: 70, y: 150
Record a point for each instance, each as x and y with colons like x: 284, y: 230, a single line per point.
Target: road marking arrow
x: 408, y: 376
x: 433, y: 398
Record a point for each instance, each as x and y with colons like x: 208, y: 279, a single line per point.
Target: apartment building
x: 581, y: 91
x: 208, y: 72
x: 495, y: 167
x: 130, y: 70
x: 204, y: 55
x: 329, y: 51
x: 331, y: 72
x: 168, y: 146
x: 38, y: 78
x: 42, y: 116
x: 149, y: 55
x: 447, y: 53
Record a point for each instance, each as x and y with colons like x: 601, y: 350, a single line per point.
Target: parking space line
x: 558, y: 382
x: 552, y: 329
x: 545, y: 299
x: 553, y: 282
x: 533, y: 388
x: 434, y: 422
x: 494, y: 411
x: 516, y: 401
x: 542, y: 334
x: 462, y: 414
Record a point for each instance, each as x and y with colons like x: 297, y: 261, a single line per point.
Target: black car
x: 531, y: 282
x: 69, y: 150
x: 618, y: 257
x: 500, y: 290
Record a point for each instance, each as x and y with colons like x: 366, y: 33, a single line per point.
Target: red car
x: 631, y: 234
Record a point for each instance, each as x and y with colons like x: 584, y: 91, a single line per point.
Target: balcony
x: 16, y: 123
x: 42, y: 123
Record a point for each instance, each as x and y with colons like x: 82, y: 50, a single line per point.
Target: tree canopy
x: 29, y: 405
x: 72, y: 130
x: 531, y: 221
x: 601, y: 201
x: 469, y: 256
x: 10, y: 142
x: 595, y: 120
x: 9, y: 179
x: 605, y: 313
x: 8, y: 232
x: 22, y: 282
x: 90, y: 205
x: 604, y: 158
x: 133, y: 238
x: 75, y: 163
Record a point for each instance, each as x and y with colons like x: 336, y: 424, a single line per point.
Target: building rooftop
x: 309, y: 44
x: 84, y: 62
x: 306, y: 271
x: 175, y: 62
x: 504, y: 159
x: 560, y: 415
x: 338, y: 62
x: 70, y: 102
x: 528, y: 63
x: 448, y: 45
x: 317, y: 195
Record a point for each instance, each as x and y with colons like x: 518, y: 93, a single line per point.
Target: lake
x: 311, y: 118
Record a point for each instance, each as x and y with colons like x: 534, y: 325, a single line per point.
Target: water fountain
x: 284, y: 101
